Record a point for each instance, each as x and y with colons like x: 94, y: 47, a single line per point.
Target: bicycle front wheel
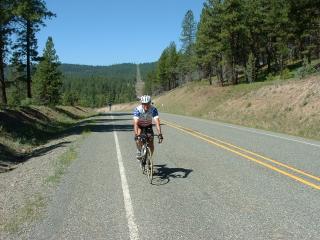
x: 149, y: 165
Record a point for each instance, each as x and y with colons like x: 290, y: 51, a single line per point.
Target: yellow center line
x: 253, y: 153
x: 205, y: 138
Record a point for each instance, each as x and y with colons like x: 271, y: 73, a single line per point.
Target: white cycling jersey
x: 145, y: 117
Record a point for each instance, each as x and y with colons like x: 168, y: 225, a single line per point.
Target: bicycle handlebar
x: 154, y: 135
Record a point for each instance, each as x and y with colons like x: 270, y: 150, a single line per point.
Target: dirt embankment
x: 291, y: 106
x: 37, y: 144
x: 25, y: 128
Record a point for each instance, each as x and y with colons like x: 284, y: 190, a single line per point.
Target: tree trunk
x: 234, y: 72
x: 2, y: 82
x: 28, y: 60
x: 210, y: 78
x: 220, y: 75
x: 268, y: 59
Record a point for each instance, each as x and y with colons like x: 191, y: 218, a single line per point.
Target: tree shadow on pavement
x: 10, y: 158
x: 164, y: 174
x: 42, y: 151
x: 67, y: 113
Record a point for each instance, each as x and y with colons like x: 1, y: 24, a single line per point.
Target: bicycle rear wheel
x: 149, y: 165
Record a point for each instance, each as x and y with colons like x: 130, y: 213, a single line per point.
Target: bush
x: 286, y: 74
x: 270, y: 77
x: 69, y: 98
x: 306, y: 69
x: 250, y: 70
x: 27, y: 102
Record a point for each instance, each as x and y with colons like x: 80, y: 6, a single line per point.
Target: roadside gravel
x: 25, y: 190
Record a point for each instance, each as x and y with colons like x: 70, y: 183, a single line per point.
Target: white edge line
x: 133, y: 228
x: 272, y: 135
x: 249, y: 130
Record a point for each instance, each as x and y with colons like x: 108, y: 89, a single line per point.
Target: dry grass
x: 23, y: 129
x: 29, y: 212
x: 63, y: 162
x: 287, y: 106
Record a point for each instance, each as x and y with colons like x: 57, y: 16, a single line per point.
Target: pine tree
x: 17, y: 78
x: 31, y: 15
x: 251, y: 68
x: 6, y: 28
x: 188, y: 33
x: 47, y: 79
x: 234, y: 38
x: 209, y: 46
x: 162, y: 71
x: 167, y: 74
x: 186, y: 63
x: 172, y: 64
x: 276, y: 27
x: 150, y: 86
x: 305, y: 18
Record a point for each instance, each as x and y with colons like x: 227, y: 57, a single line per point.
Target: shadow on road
x: 44, y: 150
x: 28, y: 131
x: 9, y: 158
x: 164, y: 174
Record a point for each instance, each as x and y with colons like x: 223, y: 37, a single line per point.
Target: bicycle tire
x: 143, y: 161
x: 149, y: 164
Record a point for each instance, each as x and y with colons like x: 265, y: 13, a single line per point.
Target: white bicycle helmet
x: 145, y: 99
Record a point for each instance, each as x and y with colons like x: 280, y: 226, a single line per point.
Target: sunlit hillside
x: 289, y: 106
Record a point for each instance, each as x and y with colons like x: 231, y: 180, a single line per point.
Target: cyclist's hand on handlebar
x: 160, y: 137
x: 137, y: 137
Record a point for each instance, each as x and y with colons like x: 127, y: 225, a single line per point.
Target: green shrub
x: 306, y: 69
x: 286, y: 74
x: 27, y: 102
x: 270, y: 77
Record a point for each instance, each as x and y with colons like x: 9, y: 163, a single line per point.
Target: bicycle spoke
x: 149, y: 165
x: 146, y: 163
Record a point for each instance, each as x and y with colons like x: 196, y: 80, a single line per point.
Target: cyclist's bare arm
x: 157, y: 122
x: 135, y: 127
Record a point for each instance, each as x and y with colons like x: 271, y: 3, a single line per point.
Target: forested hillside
x: 124, y: 71
x: 95, y: 86
x: 235, y: 41
x: 242, y: 41
x: 27, y: 77
x: 92, y: 86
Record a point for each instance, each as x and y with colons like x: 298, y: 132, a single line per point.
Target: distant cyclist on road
x: 142, y: 122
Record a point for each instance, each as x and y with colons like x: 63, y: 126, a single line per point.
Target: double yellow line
x: 254, y: 157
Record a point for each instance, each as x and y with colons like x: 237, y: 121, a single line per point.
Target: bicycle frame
x: 146, y: 154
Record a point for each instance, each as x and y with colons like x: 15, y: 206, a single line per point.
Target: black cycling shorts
x: 146, y: 130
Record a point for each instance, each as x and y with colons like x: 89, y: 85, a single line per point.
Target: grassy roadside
x: 27, y: 213
x: 289, y: 106
x: 31, y: 208
x: 22, y: 129
x: 65, y: 160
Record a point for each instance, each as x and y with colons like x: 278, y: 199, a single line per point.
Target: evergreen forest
x: 235, y: 41
x: 242, y: 41
x: 96, y: 86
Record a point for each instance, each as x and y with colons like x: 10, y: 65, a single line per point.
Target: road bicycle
x: 146, y: 162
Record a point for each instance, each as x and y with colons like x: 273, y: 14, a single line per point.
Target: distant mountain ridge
x: 126, y: 71
x: 93, y: 86
x: 120, y: 71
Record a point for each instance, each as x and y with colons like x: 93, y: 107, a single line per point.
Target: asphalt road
x: 213, y: 181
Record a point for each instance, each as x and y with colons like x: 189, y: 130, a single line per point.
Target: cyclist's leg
x: 139, y: 144
x: 150, y: 143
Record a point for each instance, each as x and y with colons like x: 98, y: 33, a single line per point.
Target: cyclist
x: 142, y: 121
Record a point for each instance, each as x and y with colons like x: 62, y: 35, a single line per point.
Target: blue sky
x: 106, y: 32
